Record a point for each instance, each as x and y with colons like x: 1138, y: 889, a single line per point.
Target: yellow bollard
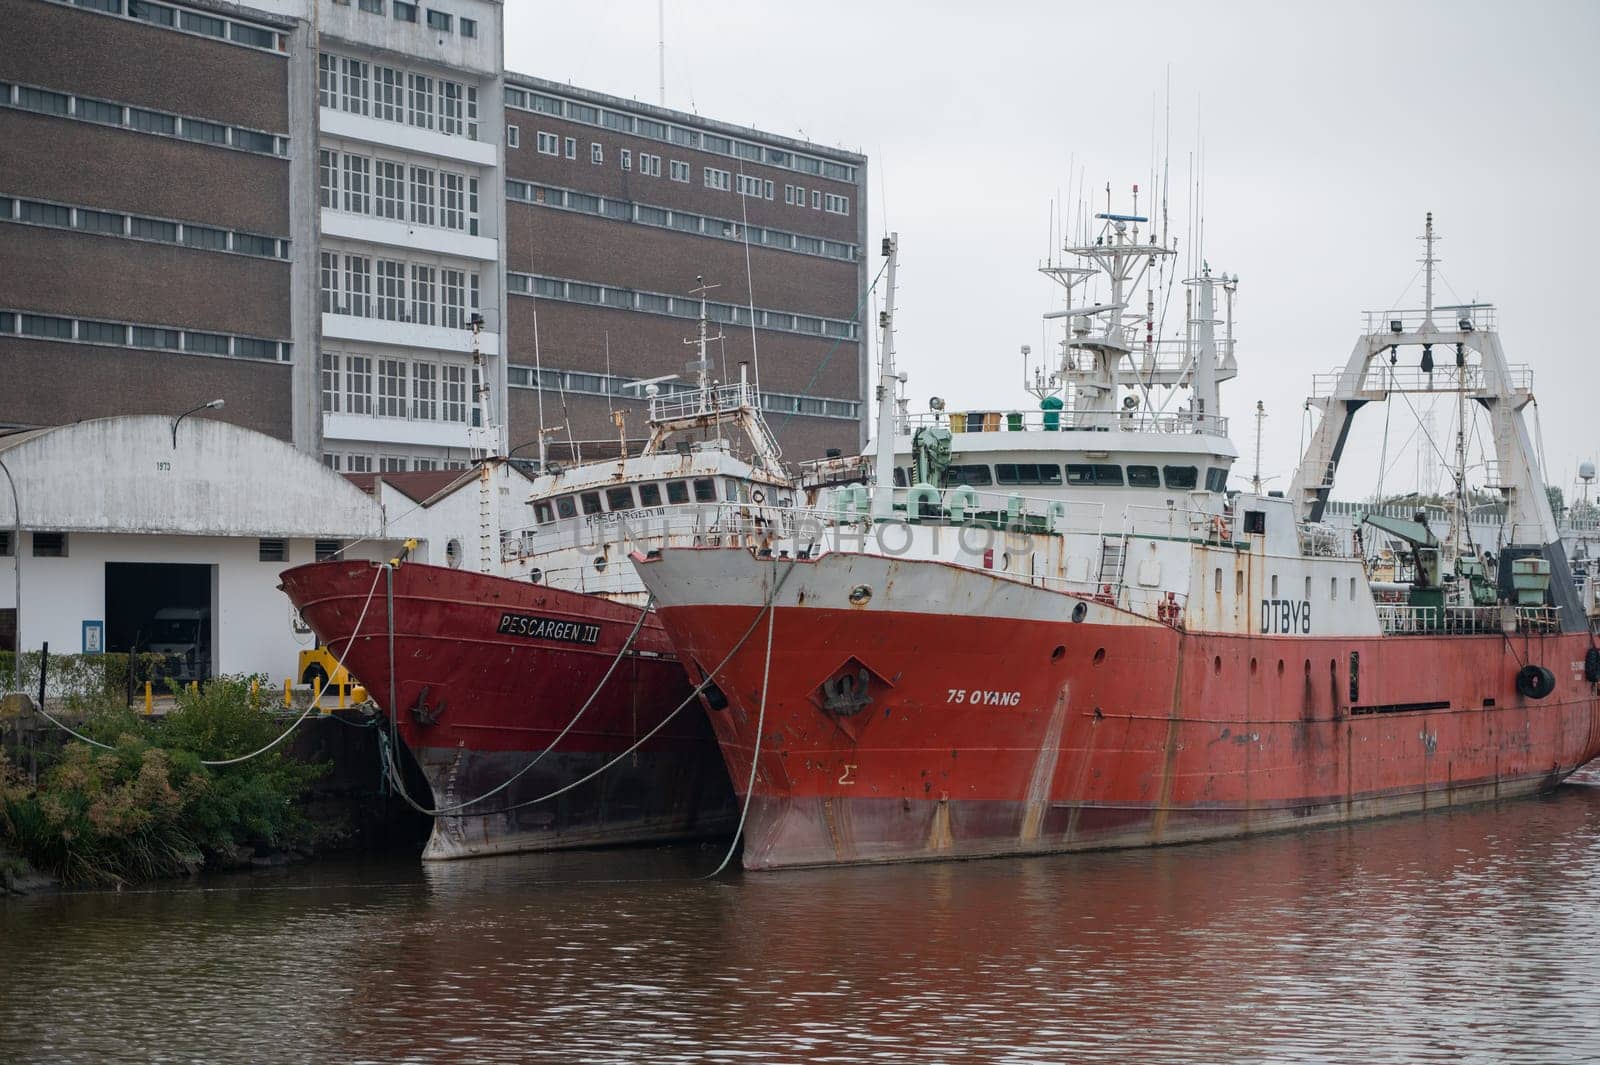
x: 316, y: 692
x: 358, y: 694
x: 194, y: 687
x: 287, y: 699
x: 343, y: 689
x: 149, y: 699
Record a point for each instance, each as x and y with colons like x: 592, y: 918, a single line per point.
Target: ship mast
x: 883, y: 482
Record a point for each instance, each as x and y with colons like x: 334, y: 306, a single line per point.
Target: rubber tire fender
x: 1535, y: 682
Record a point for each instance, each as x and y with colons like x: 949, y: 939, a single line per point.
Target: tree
x: 1558, y: 501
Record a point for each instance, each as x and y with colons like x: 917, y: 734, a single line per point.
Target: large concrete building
x: 301, y: 206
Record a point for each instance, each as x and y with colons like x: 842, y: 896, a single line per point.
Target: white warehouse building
x: 122, y: 518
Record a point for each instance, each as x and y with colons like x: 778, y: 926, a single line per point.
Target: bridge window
x: 591, y: 502
x: 1274, y: 586
x: 1216, y: 480
x: 705, y: 490
x: 1027, y: 473
x: 619, y: 498
x: 1181, y: 477
x: 677, y: 492
x: 1144, y: 477
x: 1097, y: 473
x: 899, y: 477
x: 542, y: 512
x: 1333, y: 587
x: 1255, y: 521
x: 566, y: 507
x: 1308, y: 590
x: 973, y: 475
x: 649, y: 495
x: 1219, y: 580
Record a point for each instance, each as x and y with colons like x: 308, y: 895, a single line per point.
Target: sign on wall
x: 94, y: 637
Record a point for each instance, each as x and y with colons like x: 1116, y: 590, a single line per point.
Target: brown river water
x: 1470, y: 935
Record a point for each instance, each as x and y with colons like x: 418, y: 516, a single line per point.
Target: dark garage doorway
x: 163, y: 605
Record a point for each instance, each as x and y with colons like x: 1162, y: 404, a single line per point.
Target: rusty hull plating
x: 908, y: 735
x: 489, y: 671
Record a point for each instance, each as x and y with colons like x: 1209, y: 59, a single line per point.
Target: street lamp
x: 215, y: 404
x: 16, y: 558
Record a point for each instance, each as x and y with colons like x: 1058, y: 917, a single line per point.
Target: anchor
x: 424, y: 714
x: 846, y: 694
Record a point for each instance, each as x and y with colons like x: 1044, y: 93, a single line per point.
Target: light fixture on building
x: 215, y: 404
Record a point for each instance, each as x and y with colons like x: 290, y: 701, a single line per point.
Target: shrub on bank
x: 94, y: 678
x: 150, y: 807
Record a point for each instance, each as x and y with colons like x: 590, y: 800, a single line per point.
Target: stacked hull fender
x: 489, y: 671
x: 950, y: 713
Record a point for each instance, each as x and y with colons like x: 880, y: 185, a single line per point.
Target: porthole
x: 860, y: 595
x: 1099, y: 655
x: 1058, y: 653
x: 1252, y: 667
x: 536, y: 575
x: 600, y: 563
x: 1216, y: 666
x: 1080, y: 612
x: 452, y: 554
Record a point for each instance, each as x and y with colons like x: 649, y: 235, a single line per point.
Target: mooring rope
x: 767, y: 611
x: 503, y: 785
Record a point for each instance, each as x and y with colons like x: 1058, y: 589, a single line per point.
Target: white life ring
x: 757, y: 496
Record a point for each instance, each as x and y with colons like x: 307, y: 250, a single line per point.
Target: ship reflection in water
x: 1457, y: 936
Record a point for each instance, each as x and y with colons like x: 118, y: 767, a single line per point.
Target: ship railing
x: 691, y: 403
x: 1017, y: 421
x: 1178, y: 523
x: 1380, y: 377
x: 644, y: 528
x: 1397, y: 619
x: 1446, y: 319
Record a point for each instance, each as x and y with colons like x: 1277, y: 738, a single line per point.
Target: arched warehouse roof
x: 124, y: 475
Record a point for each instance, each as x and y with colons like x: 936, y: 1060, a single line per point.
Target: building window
x: 625, y: 158
x: 358, y: 384
x: 816, y: 199
x: 206, y: 132
x: 358, y: 285
x: 328, y: 178
x: 679, y: 171
x: 570, y: 147
x: 597, y: 154
x: 836, y: 204
x: 330, y: 383
x: 469, y: 27
x: 455, y: 393
x: 205, y: 237
x: 355, y: 86
x: 438, y: 20
x: 424, y: 391
x: 513, y: 137
x: 721, y: 180
x: 148, y: 12
x: 404, y: 12
x: 391, y: 290
x: 357, y: 182
x: 330, y: 283
x: 392, y: 464
x: 788, y: 194
x: 549, y: 143
x: 391, y: 388
x: 327, y: 550
x: 450, y: 108
x: 374, y: 7
x: 422, y: 182
x: 452, y: 284
x: 389, y: 190
x: 358, y: 463
x: 422, y: 298
x: 749, y: 186
x: 40, y: 325
x: 452, y: 200
x: 49, y: 545
x: 419, y: 94
x: 649, y: 165
x: 388, y: 94
x: 273, y: 550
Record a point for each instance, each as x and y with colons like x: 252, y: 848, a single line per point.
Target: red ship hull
x: 489, y: 672
x: 958, y: 735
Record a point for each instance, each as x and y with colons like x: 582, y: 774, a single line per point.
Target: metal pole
x: 389, y: 596
x: 16, y: 558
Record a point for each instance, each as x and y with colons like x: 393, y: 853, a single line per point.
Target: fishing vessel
x: 537, y: 694
x: 1055, y: 629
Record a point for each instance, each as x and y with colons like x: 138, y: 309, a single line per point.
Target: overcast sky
x: 1329, y: 131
